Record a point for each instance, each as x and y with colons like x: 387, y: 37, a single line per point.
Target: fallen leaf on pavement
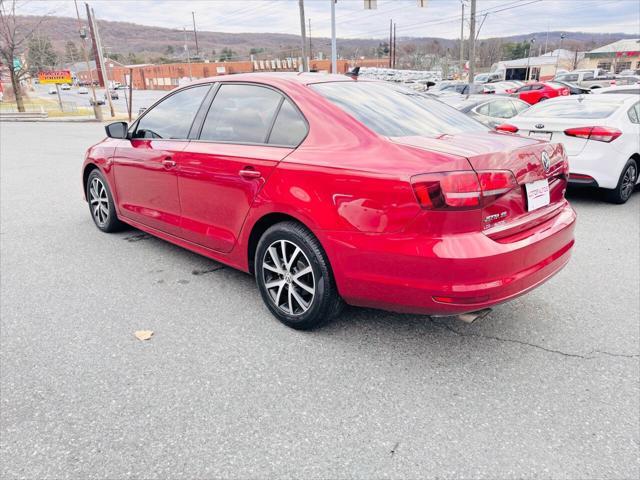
x: 143, y: 334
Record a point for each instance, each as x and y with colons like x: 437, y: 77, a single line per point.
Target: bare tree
x: 13, y: 36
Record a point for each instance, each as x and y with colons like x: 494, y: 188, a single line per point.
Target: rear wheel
x: 626, y: 183
x: 294, y: 277
x: 101, y: 204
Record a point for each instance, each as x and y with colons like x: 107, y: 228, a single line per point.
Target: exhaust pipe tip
x: 471, y: 317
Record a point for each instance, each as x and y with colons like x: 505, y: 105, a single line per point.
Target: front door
x: 145, y: 165
x: 246, y: 132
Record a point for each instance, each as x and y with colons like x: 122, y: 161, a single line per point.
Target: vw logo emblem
x: 546, y: 162
x: 539, y: 125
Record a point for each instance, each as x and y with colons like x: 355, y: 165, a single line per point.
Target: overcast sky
x: 441, y: 18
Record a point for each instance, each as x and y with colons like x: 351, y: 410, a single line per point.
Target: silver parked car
x: 492, y: 110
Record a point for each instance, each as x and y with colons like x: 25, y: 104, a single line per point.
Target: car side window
x: 536, y: 87
x: 241, y: 113
x: 634, y: 113
x: 588, y: 76
x: 524, y: 88
x: 501, y: 109
x: 173, y: 116
x: 289, y: 128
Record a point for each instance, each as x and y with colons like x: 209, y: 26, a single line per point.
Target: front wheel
x: 101, y: 205
x: 626, y: 183
x: 295, y: 278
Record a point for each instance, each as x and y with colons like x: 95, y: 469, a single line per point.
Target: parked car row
x: 570, y: 107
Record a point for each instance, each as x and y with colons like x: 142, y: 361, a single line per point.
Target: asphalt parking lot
x: 546, y: 386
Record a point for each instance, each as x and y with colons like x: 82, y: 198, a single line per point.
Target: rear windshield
x: 395, y: 112
x: 572, y: 109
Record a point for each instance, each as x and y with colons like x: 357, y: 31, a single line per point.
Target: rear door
x: 145, y: 165
x: 247, y: 130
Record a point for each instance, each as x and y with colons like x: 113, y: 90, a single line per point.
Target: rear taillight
x: 599, y: 134
x: 461, y: 190
x: 506, y: 127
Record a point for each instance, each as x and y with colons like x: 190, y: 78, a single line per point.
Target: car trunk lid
x: 528, y: 159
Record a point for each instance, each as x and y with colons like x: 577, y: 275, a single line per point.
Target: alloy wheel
x: 99, y: 201
x: 288, y: 277
x: 628, y: 182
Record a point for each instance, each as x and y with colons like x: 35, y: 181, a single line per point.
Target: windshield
x: 573, y: 109
x: 395, y: 112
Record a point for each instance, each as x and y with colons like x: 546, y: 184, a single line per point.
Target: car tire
x: 626, y: 184
x: 101, y: 205
x: 542, y: 99
x: 303, y: 301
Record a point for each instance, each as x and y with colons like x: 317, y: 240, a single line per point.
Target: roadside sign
x: 55, y: 76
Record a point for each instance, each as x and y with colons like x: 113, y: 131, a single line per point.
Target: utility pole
x: 390, y: 42
x: 195, y: 33
x: 472, y: 46
x: 310, y: 49
x: 531, y: 42
x: 83, y: 35
x: 462, y: 40
x: 305, y: 65
x: 97, y: 44
x: 334, y: 53
x: 562, y: 35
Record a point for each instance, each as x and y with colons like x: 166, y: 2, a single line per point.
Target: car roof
x: 305, y: 78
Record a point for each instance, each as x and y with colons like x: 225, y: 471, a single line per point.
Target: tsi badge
x: 494, y: 218
x: 546, y: 162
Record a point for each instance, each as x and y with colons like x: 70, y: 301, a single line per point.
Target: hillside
x: 134, y: 43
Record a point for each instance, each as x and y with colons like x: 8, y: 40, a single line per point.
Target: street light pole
x: 334, y: 54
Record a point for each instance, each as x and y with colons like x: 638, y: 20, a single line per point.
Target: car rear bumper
x: 446, y: 275
x: 598, y: 161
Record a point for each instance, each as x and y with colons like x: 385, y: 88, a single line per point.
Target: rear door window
x: 173, y: 116
x: 290, y: 127
x: 241, y: 113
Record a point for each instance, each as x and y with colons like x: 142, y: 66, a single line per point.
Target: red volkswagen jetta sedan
x: 330, y: 189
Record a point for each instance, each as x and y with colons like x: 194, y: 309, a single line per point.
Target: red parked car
x: 332, y: 190
x: 533, y: 93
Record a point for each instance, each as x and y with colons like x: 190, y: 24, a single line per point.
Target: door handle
x: 168, y: 163
x: 249, y: 172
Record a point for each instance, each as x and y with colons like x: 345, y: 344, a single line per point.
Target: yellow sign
x: 55, y: 76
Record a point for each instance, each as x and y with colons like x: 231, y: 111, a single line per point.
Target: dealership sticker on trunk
x: 537, y: 194
x: 541, y: 135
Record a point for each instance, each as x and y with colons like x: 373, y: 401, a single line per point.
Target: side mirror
x: 117, y: 130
